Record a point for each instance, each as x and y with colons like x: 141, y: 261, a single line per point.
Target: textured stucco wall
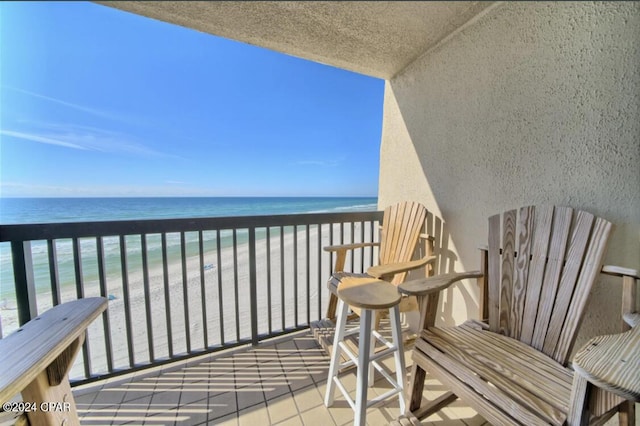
x: 533, y: 103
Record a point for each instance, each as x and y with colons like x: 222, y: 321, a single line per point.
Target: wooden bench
x: 35, y: 360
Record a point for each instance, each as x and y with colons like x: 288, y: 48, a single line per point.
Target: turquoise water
x: 49, y: 210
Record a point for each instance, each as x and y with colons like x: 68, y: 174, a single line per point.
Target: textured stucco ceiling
x: 373, y: 38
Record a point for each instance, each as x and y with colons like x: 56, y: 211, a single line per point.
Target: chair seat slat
x: 498, y: 386
x: 519, y: 364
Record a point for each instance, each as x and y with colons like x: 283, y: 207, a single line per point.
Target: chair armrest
x: 611, y: 362
x: 618, y: 271
x: 425, y: 286
x: 632, y: 319
x: 41, y: 344
x: 380, y: 271
x: 350, y: 246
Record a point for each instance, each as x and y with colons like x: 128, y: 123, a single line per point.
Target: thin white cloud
x: 40, y: 139
x: 77, y: 107
x: 82, y: 138
x: 321, y: 163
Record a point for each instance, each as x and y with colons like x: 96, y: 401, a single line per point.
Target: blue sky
x: 99, y: 102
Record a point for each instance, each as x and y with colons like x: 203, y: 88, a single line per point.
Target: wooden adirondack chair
x: 536, y: 277
x: 402, y: 226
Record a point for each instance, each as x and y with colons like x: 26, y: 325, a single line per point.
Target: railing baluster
x: 362, y: 240
x: 54, y: 273
x: 253, y: 287
x: 295, y: 274
x: 372, y: 235
x: 235, y: 283
x: 77, y: 266
x: 319, y: 271
x: 353, y: 253
x: 282, y: 292
x: 24, y: 281
x: 185, y: 292
x: 125, y: 294
x: 167, y: 294
x: 269, y: 304
x: 308, y: 275
x: 203, y: 294
x: 330, y: 243
x: 102, y: 278
x: 147, y: 294
x: 220, y: 304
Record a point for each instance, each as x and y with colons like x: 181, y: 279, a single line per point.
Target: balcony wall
x: 529, y: 103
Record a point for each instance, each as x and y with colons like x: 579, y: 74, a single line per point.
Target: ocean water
x: 50, y: 210
x: 47, y: 210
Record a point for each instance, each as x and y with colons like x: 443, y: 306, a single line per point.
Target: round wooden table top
x: 368, y: 293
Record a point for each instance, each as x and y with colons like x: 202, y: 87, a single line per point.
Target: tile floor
x: 281, y: 382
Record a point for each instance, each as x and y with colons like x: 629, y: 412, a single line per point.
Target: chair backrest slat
x: 542, y: 219
x: 555, y: 258
x: 408, y: 240
x: 575, y: 254
x: 506, y: 280
x: 521, y: 269
x: 541, y: 267
x: 494, y: 273
x: 591, y: 267
x: 402, y: 224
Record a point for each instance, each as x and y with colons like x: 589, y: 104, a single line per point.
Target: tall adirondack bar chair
x: 513, y: 367
x: 402, y: 226
x: 400, y: 233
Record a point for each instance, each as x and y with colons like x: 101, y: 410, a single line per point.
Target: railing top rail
x: 51, y: 231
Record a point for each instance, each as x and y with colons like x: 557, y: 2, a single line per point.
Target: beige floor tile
x: 318, y: 416
x: 282, y: 383
x: 380, y: 416
x: 98, y: 412
x: 192, y: 414
x: 276, y: 389
x: 299, y: 381
x: 229, y: 420
x: 281, y: 408
x: 222, y: 405
x: 249, y: 396
x: 308, y: 398
x: 169, y: 398
x: 85, y: 398
x: 459, y: 411
x: 341, y: 412
x: 256, y: 415
x: 293, y: 421
x: 195, y: 393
